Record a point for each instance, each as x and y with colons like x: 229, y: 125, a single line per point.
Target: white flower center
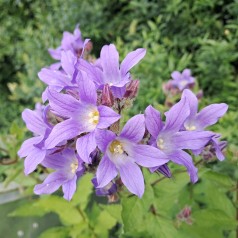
x: 93, y: 117
x: 116, y: 147
x: 74, y: 166
x: 190, y: 128
x: 160, y: 144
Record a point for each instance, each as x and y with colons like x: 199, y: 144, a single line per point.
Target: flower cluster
x: 78, y: 130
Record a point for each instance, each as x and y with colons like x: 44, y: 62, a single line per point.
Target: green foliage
x: 201, y: 35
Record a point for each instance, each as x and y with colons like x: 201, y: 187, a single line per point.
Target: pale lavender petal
x: 134, y: 129
x: 106, y: 172
x: 119, y: 91
x: 103, y: 138
x: 68, y: 60
x: 176, y: 75
x: 84, y: 46
x: 63, y: 131
x: 92, y: 72
x: 131, y: 60
x: 69, y: 188
x: 186, y: 73
x: 55, y: 66
x: 193, y: 140
x: 34, y: 158
x: 182, y: 158
x: 192, y: 100
x: 153, y: 121
x: 211, y: 114
x: 132, y: 178
x: 148, y: 156
x: 55, y: 161
x: 110, y: 64
x: 54, y: 78
x: 106, y: 117
x: 28, y: 145
x: 55, y: 53
x: 51, y: 183
x: 85, y: 145
x: 65, y: 105
x: 34, y: 121
x: 176, y: 116
x: 87, y: 90
x: 67, y: 40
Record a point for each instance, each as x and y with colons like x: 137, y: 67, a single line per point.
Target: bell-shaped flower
x: 169, y: 139
x: 109, y: 71
x: 68, y: 168
x: 123, y: 154
x: 182, y: 80
x: 72, y: 42
x: 33, y: 148
x: 81, y: 116
x: 198, y: 121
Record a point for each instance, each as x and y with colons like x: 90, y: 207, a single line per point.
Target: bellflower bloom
x: 123, y: 154
x: 68, y: 168
x: 170, y: 140
x: 109, y: 71
x: 70, y: 42
x: 182, y: 80
x: 32, y: 148
x: 82, y: 116
x: 198, y: 121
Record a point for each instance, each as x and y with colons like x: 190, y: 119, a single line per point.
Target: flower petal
x: 134, y: 129
x: 65, y: 130
x: 106, y: 117
x: 85, y: 146
x: 103, y: 138
x: 182, y: 158
x: 153, y: 121
x: 131, y: 60
x: 132, y: 178
x: 35, y: 157
x: 34, y: 122
x: 192, y: 100
x: 193, y: 140
x: 148, y: 156
x: 211, y: 114
x: 68, y: 60
x: 87, y: 90
x: 54, y: 78
x: 69, y: 188
x: 176, y: 116
x: 65, y: 105
x: 106, y: 172
x: 51, y: 183
x: 110, y: 63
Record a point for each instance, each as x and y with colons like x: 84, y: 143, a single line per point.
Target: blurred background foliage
x: 198, y: 34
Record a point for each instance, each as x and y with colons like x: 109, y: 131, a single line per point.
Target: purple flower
x: 69, y: 167
x: 82, y: 116
x: 198, y: 121
x: 123, y: 154
x: 70, y: 42
x: 32, y: 148
x: 109, y: 71
x: 182, y: 80
x: 109, y: 189
x: 170, y: 140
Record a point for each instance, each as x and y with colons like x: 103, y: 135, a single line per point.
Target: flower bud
x: 107, y: 97
x: 132, y: 89
x: 164, y: 169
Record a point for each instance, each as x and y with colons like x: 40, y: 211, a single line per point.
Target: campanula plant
x: 79, y: 130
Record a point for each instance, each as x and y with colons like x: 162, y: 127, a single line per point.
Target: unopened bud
x: 164, y: 169
x: 132, y: 89
x: 107, y: 97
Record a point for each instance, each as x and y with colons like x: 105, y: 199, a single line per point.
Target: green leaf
x: 59, y: 232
